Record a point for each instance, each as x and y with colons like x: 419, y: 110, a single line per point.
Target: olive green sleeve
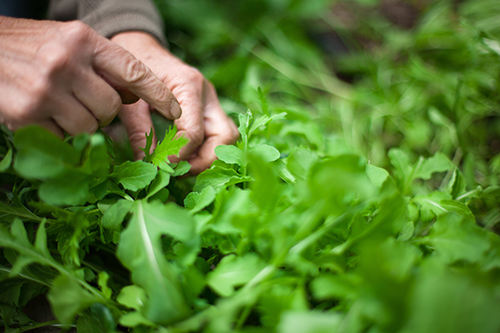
x: 110, y: 17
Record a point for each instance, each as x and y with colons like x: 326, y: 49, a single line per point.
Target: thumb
x: 137, y: 121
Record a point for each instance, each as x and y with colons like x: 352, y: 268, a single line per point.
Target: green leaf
x: 6, y: 161
x: 234, y: 271
x: 132, y: 297
x: 197, y: 201
x: 265, y: 152
x: 437, y: 163
x: 244, y: 124
x: 459, y: 208
x: 266, y: 187
x: 431, y: 206
x: 181, y: 169
x: 134, y: 319
x: 67, y: 298
x: 284, y: 173
x: 161, y: 181
x: 115, y: 214
x: 41, y: 154
x: 134, y: 175
x: 81, y: 141
x: 263, y: 120
x: 401, y: 163
x: 166, y: 167
x: 300, y: 162
x: 9, y: 213
x: 218, y: 177
x: 149, y: 143
x: 70, y: 188
x: 348, y: 174
x: 98, y: 156
x: 263, y: 102
x: 169, y: 146
x: 335, y: 286
x: 161, y: 196
x: 41, y: 240
x: 232, y: 205
x: 309, y: 322
x: 230, y: 155
x: 446, y: 300
x: 102, y: 281
x: 407, y: 231
x: 18, y: 240
x: 97, y: 319
x: 457, y: 184
x: 308, y: 130
x: 377, y: 175
x: 140, y: 250
x: 388, y: 220
x: 456, y: 238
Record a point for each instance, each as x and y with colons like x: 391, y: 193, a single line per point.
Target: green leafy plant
x: 363, y: 207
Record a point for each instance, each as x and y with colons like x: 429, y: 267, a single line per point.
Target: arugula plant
x: 262, y: 241
x: 371, y: 209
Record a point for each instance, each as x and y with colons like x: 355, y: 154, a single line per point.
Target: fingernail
x: 175, y: 109
x: 94, y: 128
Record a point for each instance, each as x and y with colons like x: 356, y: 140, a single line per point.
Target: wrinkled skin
x: 203, y: 121
x: 65, y: 77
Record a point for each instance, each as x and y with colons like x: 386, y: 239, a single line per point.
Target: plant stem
x: 53, y: 323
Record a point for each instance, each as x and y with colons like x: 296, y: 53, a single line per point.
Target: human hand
x: 63, y: 76
x: 203, y: 121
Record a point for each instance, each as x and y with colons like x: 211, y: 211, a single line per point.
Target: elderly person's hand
x: 65, y: 77
x: 203, y: 121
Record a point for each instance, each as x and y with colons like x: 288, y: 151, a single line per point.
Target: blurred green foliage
x: 418, y: 75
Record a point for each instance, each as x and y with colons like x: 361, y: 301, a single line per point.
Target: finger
x: 123, y: 70
x: 191, y: 124
x: 73, y: 117
x: 98, y: 97
x: 52, y: 126
x: 204, y: 157
x: 219, y: 130
x: 137, y: 121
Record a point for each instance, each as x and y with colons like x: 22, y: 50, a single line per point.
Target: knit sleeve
x: 110, y: 17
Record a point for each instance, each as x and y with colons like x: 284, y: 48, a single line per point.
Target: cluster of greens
x: 368, y: 206
x: 264, y: 242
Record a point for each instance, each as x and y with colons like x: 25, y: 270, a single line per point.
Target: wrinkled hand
x: 65, y: 77
x: 203, y: 121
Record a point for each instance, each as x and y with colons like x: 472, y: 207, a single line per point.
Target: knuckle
x: 115, y: 104
x: 36, y: 94
x: 54, y: 58
x: 194, y: 76
x: 24, y: 111
x: 135, y: 71
x: 38, y: 88
x: 77, y: 31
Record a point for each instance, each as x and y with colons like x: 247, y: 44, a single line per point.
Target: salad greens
x: 369, y: 206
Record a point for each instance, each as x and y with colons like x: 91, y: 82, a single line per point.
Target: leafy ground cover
x: 362, y: 204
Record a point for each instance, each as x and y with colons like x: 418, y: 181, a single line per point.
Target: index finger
x: 121, y: 69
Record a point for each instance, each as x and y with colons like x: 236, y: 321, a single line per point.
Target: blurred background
x: 359, y: 76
